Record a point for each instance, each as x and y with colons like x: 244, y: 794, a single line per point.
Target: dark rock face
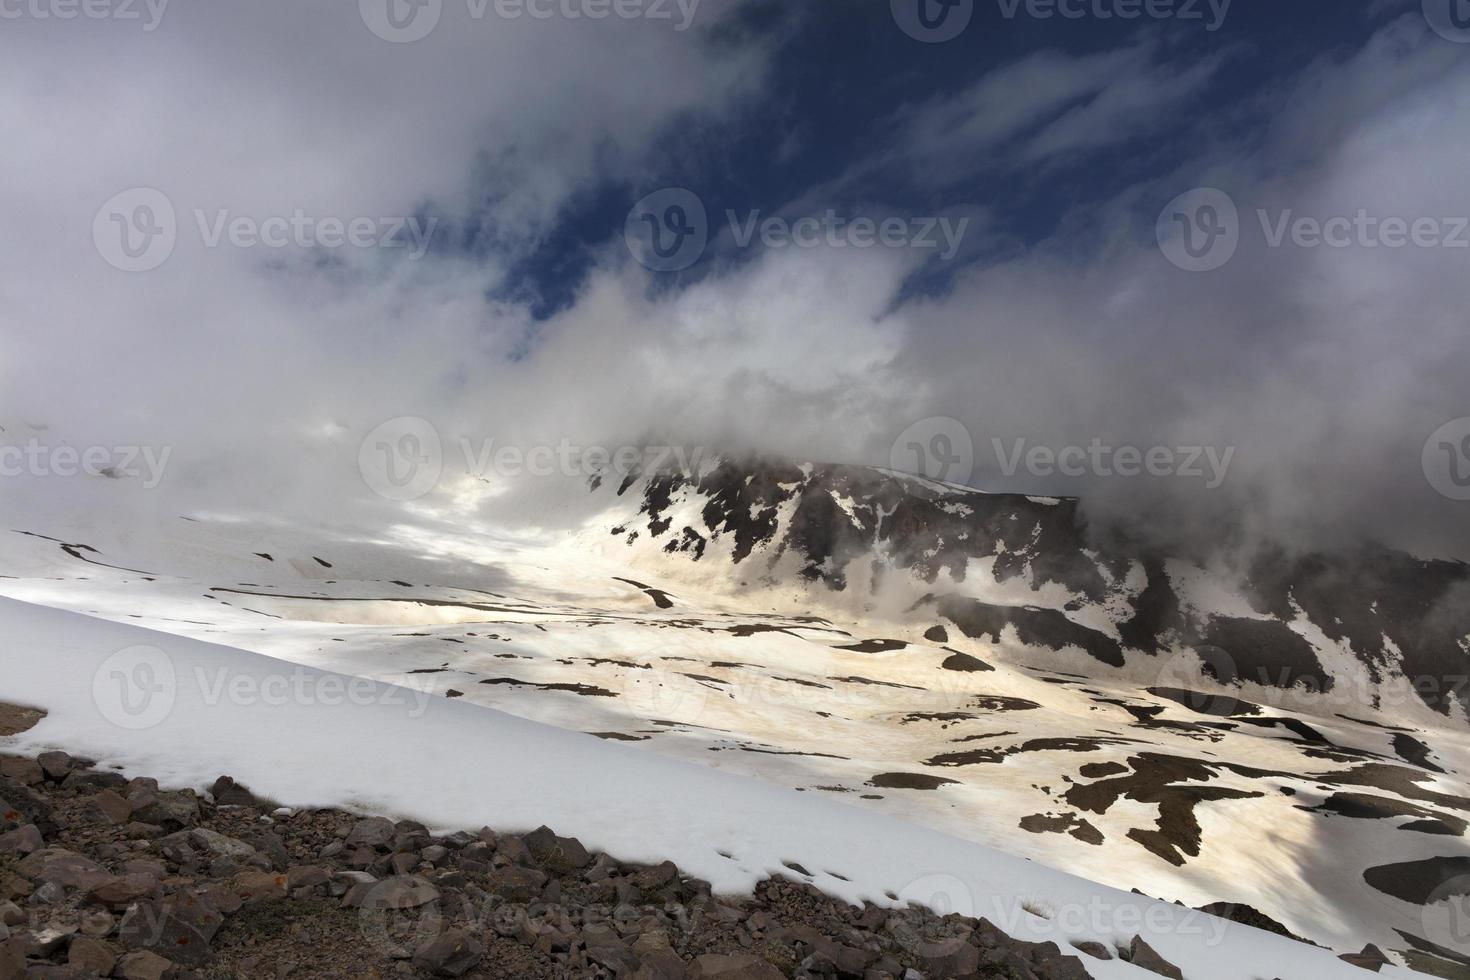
x: 1401, y: 617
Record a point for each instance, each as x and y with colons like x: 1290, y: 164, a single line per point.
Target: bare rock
x: 398, y: 892
x: 515, y: 884
x: 227, y: 792
x: 374, y: 832
x: 452, y: 954
x: 1096, y: 950
x: 91, y: 956
x: 176, y: 809
x: 142, y: 965
x: 26, y: 840
x: 256, y: 886
x: 737, y: 966
x: 120, y: 891
x: 558, y: 854
x: 111, y: 808
x: 1145, y: 957
x: 55, y: 765
x: 183, y: 925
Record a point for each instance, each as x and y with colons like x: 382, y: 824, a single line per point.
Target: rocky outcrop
x: 136, y: 882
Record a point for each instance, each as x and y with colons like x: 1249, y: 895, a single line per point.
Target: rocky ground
x: 105, y: 876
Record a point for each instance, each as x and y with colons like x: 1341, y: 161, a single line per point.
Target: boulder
x: 26, y: 840
x: 255, y: 886
x: 179, y: 809
x: 93, y: 780
x: 1096, y: 950
x: 227, y: 792
x: 606, y: 948
x: 558, y: 854
x: 91, y: 956
x: 142, y: 965
x: 656, y: 877
x: 452, y: 954
x: 55, y: 765
x: 398, y: 892
x: 515, y: 884
x: 1371, y: 959
x: 111, y: 808
x: 183, y: 847
x: 1145, y: 957
x: 120, y: 891
x: 20, y: 806
x: 62, y: 867
x: 182, y: 925
x: 374, y: 832
x: 735, y: 966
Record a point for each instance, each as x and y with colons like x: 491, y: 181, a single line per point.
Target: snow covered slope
x: 1341, y: 815
x: 187, y: 710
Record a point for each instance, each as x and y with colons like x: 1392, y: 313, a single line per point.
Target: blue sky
x: 845, y: 83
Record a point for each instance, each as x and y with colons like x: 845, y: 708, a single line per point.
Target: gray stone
x: 398, y: 892
x: 26, y: 840
x: 180, y: 809
x: 374, y: 832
